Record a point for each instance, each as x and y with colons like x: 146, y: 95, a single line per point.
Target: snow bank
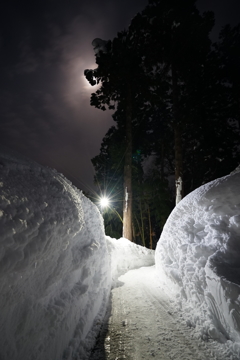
x: 199, y: 250
x: 125, y: 256
x: 54, y: 265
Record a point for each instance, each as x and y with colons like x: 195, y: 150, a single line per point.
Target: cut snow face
x: 125, y: 256
x: 54, y: 266
x: 199, y: 251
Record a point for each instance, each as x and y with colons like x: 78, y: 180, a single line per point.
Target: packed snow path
x: 144, y: 324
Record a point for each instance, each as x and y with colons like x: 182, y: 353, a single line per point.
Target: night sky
x: 45, y: 110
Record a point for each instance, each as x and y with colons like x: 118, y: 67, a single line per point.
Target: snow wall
x: 199, y: 251
x: 56, y: 265
x: 125, y: 256
x: 54, y: 272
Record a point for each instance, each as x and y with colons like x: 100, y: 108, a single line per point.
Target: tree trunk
x: 127, y: 203
x: 177, y: 139
x: 150, y: 229
x: 142, y: 224
x: 162, y: 162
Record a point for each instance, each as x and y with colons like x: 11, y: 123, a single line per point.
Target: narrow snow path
x: 144, y: 324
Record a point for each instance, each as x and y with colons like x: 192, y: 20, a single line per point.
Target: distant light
x: 104, y: 201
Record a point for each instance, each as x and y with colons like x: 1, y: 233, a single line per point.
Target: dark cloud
x: 45, y: 100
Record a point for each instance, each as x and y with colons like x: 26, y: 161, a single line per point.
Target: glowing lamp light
x: 104, y: 201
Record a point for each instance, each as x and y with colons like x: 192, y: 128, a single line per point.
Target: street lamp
x: 105, y: 202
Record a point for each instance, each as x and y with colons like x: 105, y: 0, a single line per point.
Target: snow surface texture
x: 56, y: 265
x: 125, y: 256
x: 54, y: 273
x: 199, y: 250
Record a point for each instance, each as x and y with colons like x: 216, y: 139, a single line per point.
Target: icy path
x: 144, y: 324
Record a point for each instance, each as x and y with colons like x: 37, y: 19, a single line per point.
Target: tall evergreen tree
x: 170, y: 90
x: 175, y: 43
x: 121, y: 77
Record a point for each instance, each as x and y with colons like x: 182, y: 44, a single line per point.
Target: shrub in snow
x: 199, y: 251
x: 54, y: 265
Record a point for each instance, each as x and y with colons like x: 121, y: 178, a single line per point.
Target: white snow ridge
x: 199, y: 251
x: 54, y: 273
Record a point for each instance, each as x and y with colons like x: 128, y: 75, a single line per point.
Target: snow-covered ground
x: 57, y: 269
x: 144, y: 322
x: 125, y: 256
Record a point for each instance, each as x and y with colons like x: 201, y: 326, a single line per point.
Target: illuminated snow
x: 57, y: 266
x: 55, y: 273
x: 199, y: 251
x: 55, y: 277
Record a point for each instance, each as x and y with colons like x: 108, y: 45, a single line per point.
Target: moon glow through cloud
x: 45, y: 110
